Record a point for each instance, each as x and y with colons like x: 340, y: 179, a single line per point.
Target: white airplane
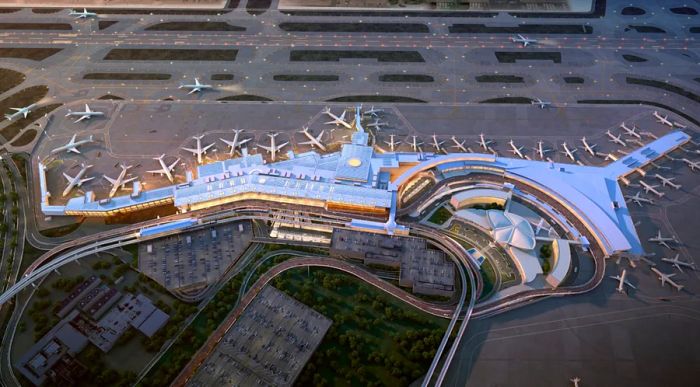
x: 273, y: 148
x: 373, y: 112
x: 662, y: 119
x: 691, y: 164
x: 679, y: 125
x: 86, y: 115
x: 590, y: 148
x: 522, y: 40
x: 84, y: 14
x: 664, y: 278
x: 72, y: 145
x: 540, y: 103
x: 377, y: 124
x: 460, y: 145
x: 392, y: 144
x: 516, y: 150
x: 235, y: 143
x: 651, y: 188
x: 678, y: 264
x: 199, y: 151
x: 483, y: 142
x: 121, y: 181
x: 76, y: 181
x: 569, y: 152
x: 622, y: 281
x: 196, y: 87
x: 540, y: 149
x: 165, y: 169
x: 638, y: 199
x: 662, y: 240
x: 610, y: 156
x: 631, y: 132
x: 437, y: 144
x: 337, y: 121
x: 667, y: 181
x: 575, y: 381
x: 23, y: 111
x: 616, y: 139
x: 313, y: 141
x: 416, y: 144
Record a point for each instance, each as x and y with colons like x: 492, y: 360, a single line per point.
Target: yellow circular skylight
x: 354, y: 162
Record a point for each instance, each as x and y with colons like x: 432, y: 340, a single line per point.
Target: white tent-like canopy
x: 511, y: 229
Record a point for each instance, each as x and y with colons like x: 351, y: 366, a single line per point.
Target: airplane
x: 661, y: 240
x: 196, y: 87
x: 460, y: 145
x: 483, y: 142
x: 610, y: 156
x: 650, y: 188
x: 631, y: 132
x: 516, y: 150
x: 392, y: 144
x: 691, y: 164
x: 437, y: 144
x: 415, y: 144
x: 313, y: 141
x: 23, y: 111
x: 667, y: 181
x: 165, y: 169
x: 666, y: 278
x: 616, y: 139
x: 662, y: 119
x: 337, y: 121
x: 86, y: 115
x: 588, y: 147
x: 569, y: 152
x: 679, y: 125
x: 373, y: 112
x: 121, y: 181
x: 72, y: 145
x: 77, y: 180
x: 199, y: 150
x: 235, y: 143
x: 540, y: 149
x: 84, y: 14
x: 540, y: 103
x: 638, y: 199
x: 273, y: 148
x: 622, y: 281
x: 649, y: 134
x: 522, y: 40
x: 677, y: 263
x: 575, y: 381
x: 377, y: 124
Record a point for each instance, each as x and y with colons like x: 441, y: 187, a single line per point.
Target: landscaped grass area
x: 36, y: 26
x: 337, y: 55
x: 32, y: 53
x: 244, y: 97
x: 374, y: 340
x: 10, y: 131
x: 405, y: 78
x: 355, y: 27
x: 127, y: 76
x: 171, y: 54
x: 488, y: 274
x: 195, y: 26
x: 376, y: 98
x: 305, y: 77
x: 440, y: 216
x: 9, y: 79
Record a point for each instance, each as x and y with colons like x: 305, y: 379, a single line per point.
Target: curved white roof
x: 511, y: 229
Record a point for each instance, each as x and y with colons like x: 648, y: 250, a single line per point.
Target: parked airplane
x: 651, y: 188
x: 273, y: 148
x: 540, y: 149
x: 313, y: 141
x: 662, y: 119
x: 631, y: 132
x: 663, y: 241
x: 638, y: 199
x: 77, y: 180
x: 522, y: 40
x: 377, y: 124
x: 540, y: 103
x: 664, y: 278
x: 460, y: 145
x: 667, y: 181
x: 199, y: 151
x: 575, y: 381
x: 23, y: 111
x: 392, y: 144
x: 678, y: 264
x: 235, y: 143
x: 436, y: 143
x: 373, y: 112
x: 121, y: 181
x: 165, y: 169
x: 691, y: 164
x: 483, y: 142
x: 516, y: 150
x: 622, y: 281
x: 196, y: 87
x: 610, y: 156
x: 336, y: 120
x: 72, y: 145
x: 416, y: 144
x: 84, y: 14
x: 86, y: 115
x: 590, y: 148
x: 569, y: 152
x: 616, y: 139
x: 679, y: 125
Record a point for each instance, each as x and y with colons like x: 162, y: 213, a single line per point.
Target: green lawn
x: 488, y: 274
x: 440, y: 216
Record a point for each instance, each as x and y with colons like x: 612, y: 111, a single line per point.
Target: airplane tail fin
x: 8, y: 117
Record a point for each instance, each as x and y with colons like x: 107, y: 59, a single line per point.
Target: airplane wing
x: 227, y: 142
x: 204, y: 150
x: 267, y: 148
x: 193, y: 151
x: 280, y: 146
x: 307, y: 143
x: 83, y: 117
x: 320, y: 136
x: 87, y: 109
x: 171, y: 166
x: 85, y: 180
x: 129, y: 180
x: 630, y: 285
x: 109, y: 179
x: 243, y: 141
x: 67, y: 176
x: 194, y: 90
x: 196, y: 81
x: 158, y: 171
